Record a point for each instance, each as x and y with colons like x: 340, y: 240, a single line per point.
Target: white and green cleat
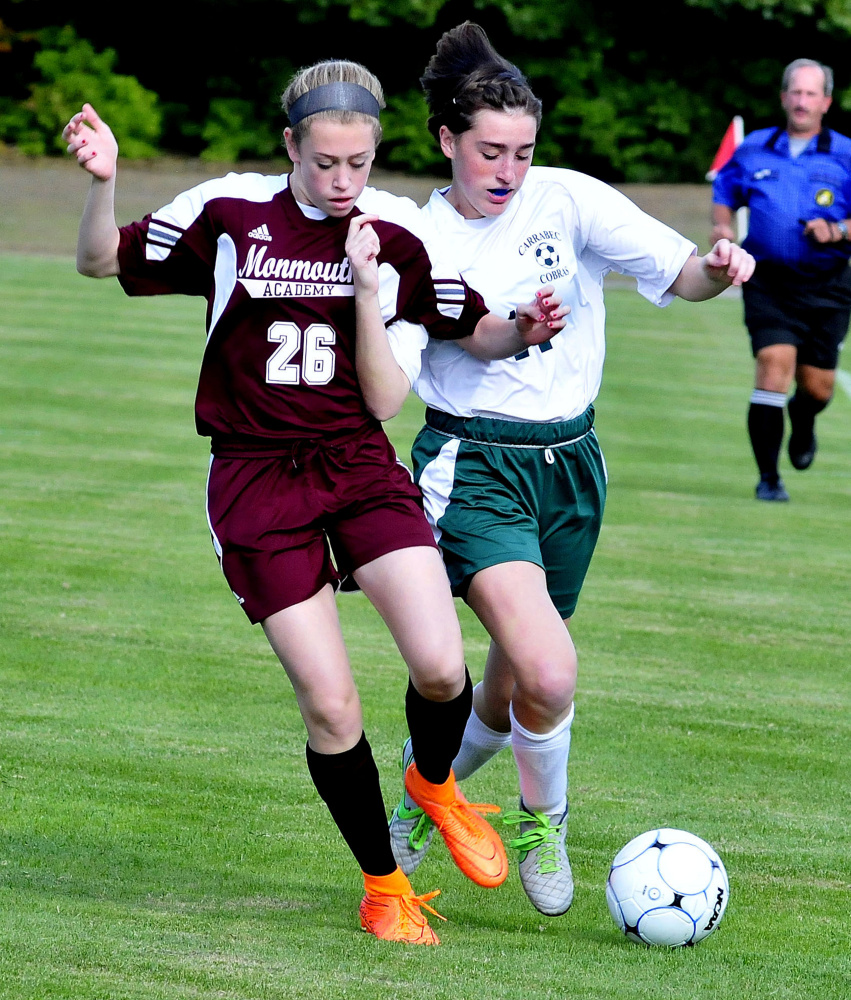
x: 544, y: 866
x: 411, y: 831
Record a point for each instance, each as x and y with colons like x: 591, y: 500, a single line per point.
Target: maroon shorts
x: 276, y: 521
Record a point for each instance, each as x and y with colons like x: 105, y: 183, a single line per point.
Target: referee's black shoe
x: 802, y: 440
x: 802, y: 448
x: 771, y: 489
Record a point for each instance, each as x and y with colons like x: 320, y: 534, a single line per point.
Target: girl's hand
x: 362, y: 249
x: 91, y: 141
x: 541, y: 319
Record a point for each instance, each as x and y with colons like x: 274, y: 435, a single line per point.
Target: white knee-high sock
x: 480, y: 743
x: 542, y: 763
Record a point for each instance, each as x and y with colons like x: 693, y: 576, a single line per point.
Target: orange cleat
x: 391, y: 911
x: 473, y: 843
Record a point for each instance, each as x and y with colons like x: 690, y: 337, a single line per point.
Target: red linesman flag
x: 732, y: 137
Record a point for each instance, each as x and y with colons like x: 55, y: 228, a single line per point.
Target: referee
x: 797, y: 184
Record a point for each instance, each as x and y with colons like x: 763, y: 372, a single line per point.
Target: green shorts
x: 503, y: 491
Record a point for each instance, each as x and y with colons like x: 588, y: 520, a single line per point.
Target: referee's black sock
x: 803, y: 410
x: 765, y: 426
x: 348, y: 784
x: 437, y: 728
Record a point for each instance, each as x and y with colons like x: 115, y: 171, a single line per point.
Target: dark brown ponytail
x: 466, y: 75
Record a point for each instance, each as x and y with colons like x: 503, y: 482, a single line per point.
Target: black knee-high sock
x: 437, y: 728
x: 803, y: 410
x: 765, y: 426
x: 348, y: 784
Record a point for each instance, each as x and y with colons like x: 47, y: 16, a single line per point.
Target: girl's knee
x: 333, y: 721
x: 441, y: 681
x: 550, y: 689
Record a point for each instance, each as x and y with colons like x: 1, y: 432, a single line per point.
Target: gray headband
x: 334, y: 97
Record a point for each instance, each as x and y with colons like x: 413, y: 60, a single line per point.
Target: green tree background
x: 631, y: 92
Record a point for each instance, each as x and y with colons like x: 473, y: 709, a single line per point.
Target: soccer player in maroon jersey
x: 292, y: 267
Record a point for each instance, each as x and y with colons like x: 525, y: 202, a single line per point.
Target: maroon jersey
x: 280, y: 358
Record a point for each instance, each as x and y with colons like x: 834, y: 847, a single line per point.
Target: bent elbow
x: 387, y: 403
x: 385, y: 410
x: 97, y: 265
x: 96, y: 269
x: 87, y: 270
x: 384, y: 390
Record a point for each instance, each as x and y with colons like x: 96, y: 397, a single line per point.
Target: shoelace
x: 411, y: 901
x: 544, y: 835
x: 419, y: 834
x: 480, y: 807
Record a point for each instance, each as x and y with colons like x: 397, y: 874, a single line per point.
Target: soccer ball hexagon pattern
x: 667, y: 887
x: 547, y: 255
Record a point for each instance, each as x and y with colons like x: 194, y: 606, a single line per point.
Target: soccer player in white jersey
x: 511, y: 471
x: 292, y: 267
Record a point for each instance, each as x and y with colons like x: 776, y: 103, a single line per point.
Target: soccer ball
x: 547, y: 255
x: 667, y: 887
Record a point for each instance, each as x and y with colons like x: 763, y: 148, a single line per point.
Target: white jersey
x: 561, y: 228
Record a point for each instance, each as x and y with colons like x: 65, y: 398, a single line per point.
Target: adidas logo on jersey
x: 261, y: 233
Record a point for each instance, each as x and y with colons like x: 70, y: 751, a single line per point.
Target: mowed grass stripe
x: 160, y: 837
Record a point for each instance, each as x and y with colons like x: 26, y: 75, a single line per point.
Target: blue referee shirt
x: 783, y: 192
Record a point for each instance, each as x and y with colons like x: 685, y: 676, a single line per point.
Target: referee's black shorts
x: 811, y: 312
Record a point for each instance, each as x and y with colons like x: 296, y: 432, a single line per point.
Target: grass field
x: 161, y: 839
